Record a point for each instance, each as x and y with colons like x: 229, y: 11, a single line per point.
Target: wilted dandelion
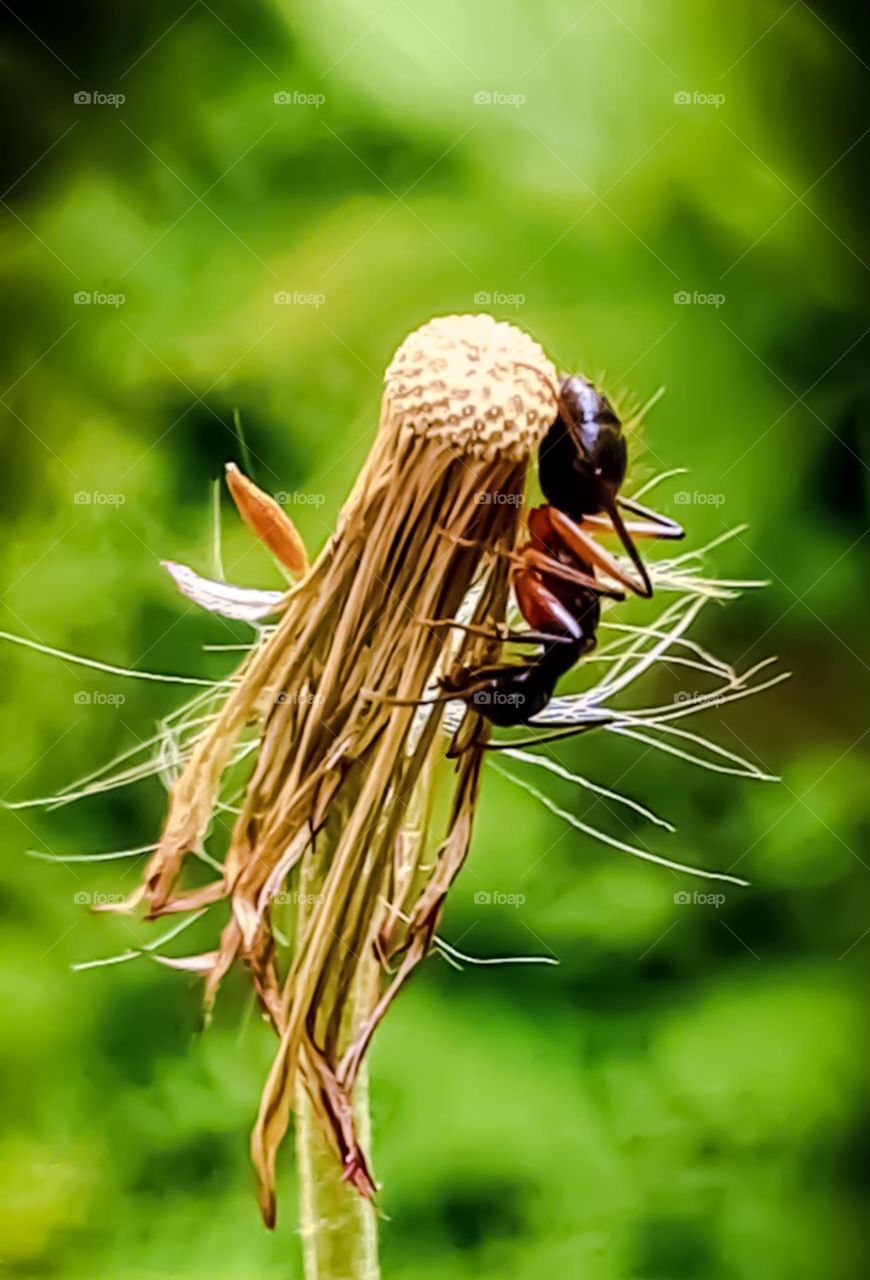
x: 335, y: 713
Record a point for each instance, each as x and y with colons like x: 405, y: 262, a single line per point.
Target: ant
x: 582, y: 462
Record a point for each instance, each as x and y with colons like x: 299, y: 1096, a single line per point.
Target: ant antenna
x: 633, y: 554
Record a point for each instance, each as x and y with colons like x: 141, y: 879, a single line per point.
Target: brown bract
x: 265, y: 517
x: 338, y: 806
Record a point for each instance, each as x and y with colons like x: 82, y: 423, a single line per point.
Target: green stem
x: 338, y: 1226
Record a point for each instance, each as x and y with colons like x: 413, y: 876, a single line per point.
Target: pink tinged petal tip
x: 244, y: 604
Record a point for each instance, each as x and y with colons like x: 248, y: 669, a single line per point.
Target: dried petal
x: 202, y: 963
x: 245, y: 604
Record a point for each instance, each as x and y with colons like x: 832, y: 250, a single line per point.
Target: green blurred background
x: 685, y: 1095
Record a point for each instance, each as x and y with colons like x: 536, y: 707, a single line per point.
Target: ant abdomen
x: 508, y: 701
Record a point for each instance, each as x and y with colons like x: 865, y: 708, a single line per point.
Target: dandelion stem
x: 337, y: 1225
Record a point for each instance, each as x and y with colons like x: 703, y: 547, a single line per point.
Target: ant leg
x: 542, y: 607
x: 454, y: 751
x: 479, y: 677
x: 472, y: 628
x: 537, y: 637
x: 458, y: 540
x: 555, y: 569
x: 478, y: 680
x: 637, y: 528
x: 585, y: 547
x: 566, y: 730
x: 590, y: 551
x: 500, y: 632
x: 670, y: 528
x: 269, y: 521
x: 372, y: 695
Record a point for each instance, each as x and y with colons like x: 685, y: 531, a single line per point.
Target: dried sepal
x: 268, y: 520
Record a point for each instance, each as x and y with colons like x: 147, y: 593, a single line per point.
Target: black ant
x: 581, y: 465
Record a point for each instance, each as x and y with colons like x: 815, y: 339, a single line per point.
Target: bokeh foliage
x: 683, y: 1096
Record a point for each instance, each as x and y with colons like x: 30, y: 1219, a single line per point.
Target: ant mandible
x: 581, y: 466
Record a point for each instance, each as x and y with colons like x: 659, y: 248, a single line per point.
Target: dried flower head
x: 342, y: 757
x: 332, y: 711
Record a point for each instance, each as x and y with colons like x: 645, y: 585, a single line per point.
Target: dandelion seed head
x: 474, y: 382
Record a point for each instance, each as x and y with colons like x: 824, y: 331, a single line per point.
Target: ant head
x: 597, y: 433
